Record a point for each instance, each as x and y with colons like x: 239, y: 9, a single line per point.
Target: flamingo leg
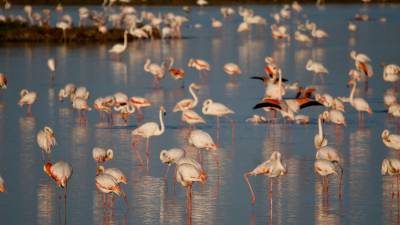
x: 166, y: 173
x: 147, y: 152
x: 253, y: 196
x: 270, y: 200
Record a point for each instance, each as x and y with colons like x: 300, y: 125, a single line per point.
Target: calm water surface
x: 32, y: 198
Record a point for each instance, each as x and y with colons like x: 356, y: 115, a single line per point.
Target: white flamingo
x: 273, y: 167
x: 188, y: 103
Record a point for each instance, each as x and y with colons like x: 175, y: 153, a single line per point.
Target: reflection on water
x: 224, y: 198
x: 45, y: 203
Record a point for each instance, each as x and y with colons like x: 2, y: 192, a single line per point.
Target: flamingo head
x: 194, y: 86
x: 109, y: 154
x: 47, y: 168
x: 275, y: 156
x: 353, y: 54
x: 23, y: 92
x: 325, y: 116
x: 164, y: 157
x: 385, y: 134
x: 162, y: 109
x: 48, y: 130
x: 99, y: 170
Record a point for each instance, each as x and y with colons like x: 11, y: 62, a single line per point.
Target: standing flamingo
x: 186, y: 174
x: 217, y: 109
x: 100, y: 155
x: 316, y: 67
x: 232, y: 69
x: 324, y: 168
x: 106, y: 183
x: 139, y: 102
x: 60, y: 172
x: 156, y: 70
x: 28, y: 98
x: 188, y: 103
x: 191, y: 117
x: 273, y: 167
x: 391, y: 166
x: 150, y: 129
x: 362, y: 63
x: 201, y: 140
x: 200, y: 65
x: 119, y: 48
x: 46, y: 140
x: 176, y: 73
x: 320, y: 139
x: 359, y: 104
x: 391, y: 141
x: 51, y: 63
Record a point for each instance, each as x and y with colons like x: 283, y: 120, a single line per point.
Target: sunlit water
x: 32, y: 198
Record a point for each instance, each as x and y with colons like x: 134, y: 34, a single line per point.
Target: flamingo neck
x: 162, y: 128
x: 147, y: 65
x: 194, y: 96
x: 353, y: 90
x: 171, y: 63
x: 320, y: 128
x: 125, y: 39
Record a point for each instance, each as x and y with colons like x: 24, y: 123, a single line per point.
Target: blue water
x: 32, y: 198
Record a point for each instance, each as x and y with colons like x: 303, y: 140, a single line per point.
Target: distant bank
x: 193, y: 2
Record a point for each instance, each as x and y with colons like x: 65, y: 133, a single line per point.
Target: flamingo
x: 352, y: 26
x: 60, y: 172
x: 80, y: 92
x: 202, y: 2
x: 51, y: 63
x: 199, y: 64
x: 176, y: 73
x: 216, y: 109
x: 318, y: 33
x: 170, y: 157
x: 150, y: 129
x: 3, y: 81
x: 139, y: 102
x: 2, y: 185
x: 28, y: 98
x: 118, y: 175
x: 119, y: 48
x: 243, y: 27
x: 319, y: 139
x: 279, y: 32
x: 121, y: 99
x: 66, y: 92
x: 300, y: 37
x: 46, y: 140
x: 201, y: 140
x: 104, y: 105
x: 391, y: 167
x: 273, y: 167
x: 324, y: 168
x: 334, y: 116
x: 232, y: 69
x: 359, y: 104
x: 316, y: 67
x: 217, y: 24
x: 391, y: 141
x: 188, y: 103
x: 106, y: 183
x: 81, y: 106
x: 391, y: 73
x: 125, y: 111
x: 186, y: 174
x: 256, y: 119
x: 191, y: 117
x: 362, y: 63
x: 156, y: 70
x: 100, y: 155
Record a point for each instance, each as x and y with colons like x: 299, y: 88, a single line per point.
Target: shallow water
x: 33, y: 198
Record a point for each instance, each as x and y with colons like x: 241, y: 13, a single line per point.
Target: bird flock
x: 281, y: 96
